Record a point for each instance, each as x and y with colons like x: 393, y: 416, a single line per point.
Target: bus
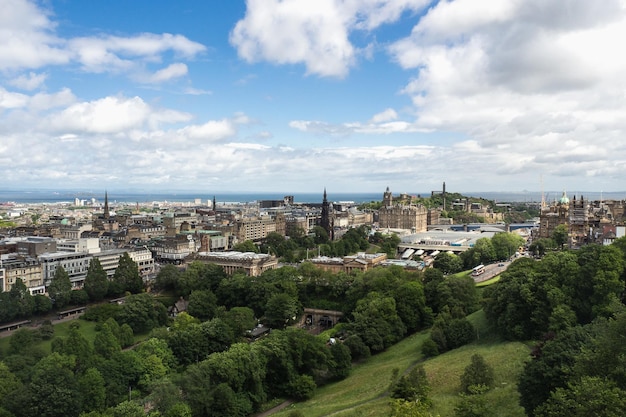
x: 479, y: 270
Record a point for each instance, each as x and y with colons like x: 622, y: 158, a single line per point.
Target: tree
x: 281, y: 310
x: 473, y: 404
x: 246, y: 246
x: 240, y: 320
x: 506, y: 244
x: 142, y: 313
x: 126, y: 277
x: 227, y: 383
x: 551, y: 367
x: 8, y: 382
x: 477, y: 373
x: 377, y: 322
x: 92, y: 390
x: 202, y: 304
x: 167, y: 278
x: 302, y: 387
x: 589, y: 396
x: 448, y: 263
x: 60, y: 288
x: 53, y: 388
x: 96, y: 281
x: 106, y: 343
x: 411, y: 306
x: 413, y: 386
x: 341, y: 361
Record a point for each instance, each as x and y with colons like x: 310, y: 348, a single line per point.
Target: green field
x: 87, y: 328
x: 364, y: 392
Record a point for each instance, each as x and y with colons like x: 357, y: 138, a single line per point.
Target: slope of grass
x: 364, y: 392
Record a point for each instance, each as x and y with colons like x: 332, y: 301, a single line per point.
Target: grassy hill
x: 364, y: 392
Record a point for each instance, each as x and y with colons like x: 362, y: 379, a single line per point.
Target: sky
x: 301, y: 95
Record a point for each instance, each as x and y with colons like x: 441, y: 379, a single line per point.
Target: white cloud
x: 315, y: 34
x: 384, y: 116
x: 210, y: 131
x: 28, y: 41
x: 171, y: 71
x: 111, y: 115
x: 29, y: 82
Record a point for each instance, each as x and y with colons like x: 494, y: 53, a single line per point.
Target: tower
x: 443, y: 193
x: 107, y: 215
x: 326, y: 221
x: 214, y: 205
x: 387, y: 198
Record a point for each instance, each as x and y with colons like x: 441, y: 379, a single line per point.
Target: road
x: 492, y: 271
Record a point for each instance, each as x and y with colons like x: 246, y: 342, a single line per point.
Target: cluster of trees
x: 579, y: 371
x: 561, y: 290
x: 18, y: 303
x: 296, y: 246
x: 200, y: 365
x: 572, y: 301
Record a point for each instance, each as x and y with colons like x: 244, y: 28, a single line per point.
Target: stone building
x: 253, y: 264
x: 351, y: 263
x: 575, y: 214
x: 410, y: 216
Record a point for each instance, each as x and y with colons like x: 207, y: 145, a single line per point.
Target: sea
x: 34, y: 196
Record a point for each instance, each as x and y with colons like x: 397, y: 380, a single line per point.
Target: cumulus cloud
x: 29, y: 82
x: 316, y: 34
x: 111, y: 115
x: 28, y: 41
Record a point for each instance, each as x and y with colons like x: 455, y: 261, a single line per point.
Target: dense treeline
x: 572, y: 301
x: 200, y: 363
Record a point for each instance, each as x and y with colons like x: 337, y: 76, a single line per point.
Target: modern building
x: 75, y: 264
x: 88, y: 245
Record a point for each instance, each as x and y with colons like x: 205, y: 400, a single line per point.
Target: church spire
x: 106, y: 205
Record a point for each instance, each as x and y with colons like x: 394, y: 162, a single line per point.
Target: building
x: 75, y: 264
x: 257, y: 228
x: 410, y: 216
x: 88, y: 245
x: 574, y: 215
x: 174, y: 249
x: 145, y: 262
x: 352, y: 263
x: 34, y: 246
x: 29, y: 270
x: 253, y: 264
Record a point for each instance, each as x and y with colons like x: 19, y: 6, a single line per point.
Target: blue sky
x: 298, y: 95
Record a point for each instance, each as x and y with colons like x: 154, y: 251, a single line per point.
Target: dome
x: 564, y: 199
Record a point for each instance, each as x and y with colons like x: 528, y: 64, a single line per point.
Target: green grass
x: 363, y: 393
x: 87, y: 329
x: 489, y: 281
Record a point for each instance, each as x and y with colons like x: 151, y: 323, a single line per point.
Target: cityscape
x: 298, y: 208
x: 36, y: 237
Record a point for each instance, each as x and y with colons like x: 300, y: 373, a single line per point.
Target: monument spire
x: 106, y: 205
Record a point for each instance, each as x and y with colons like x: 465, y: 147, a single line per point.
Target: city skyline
x: 291, y: 95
